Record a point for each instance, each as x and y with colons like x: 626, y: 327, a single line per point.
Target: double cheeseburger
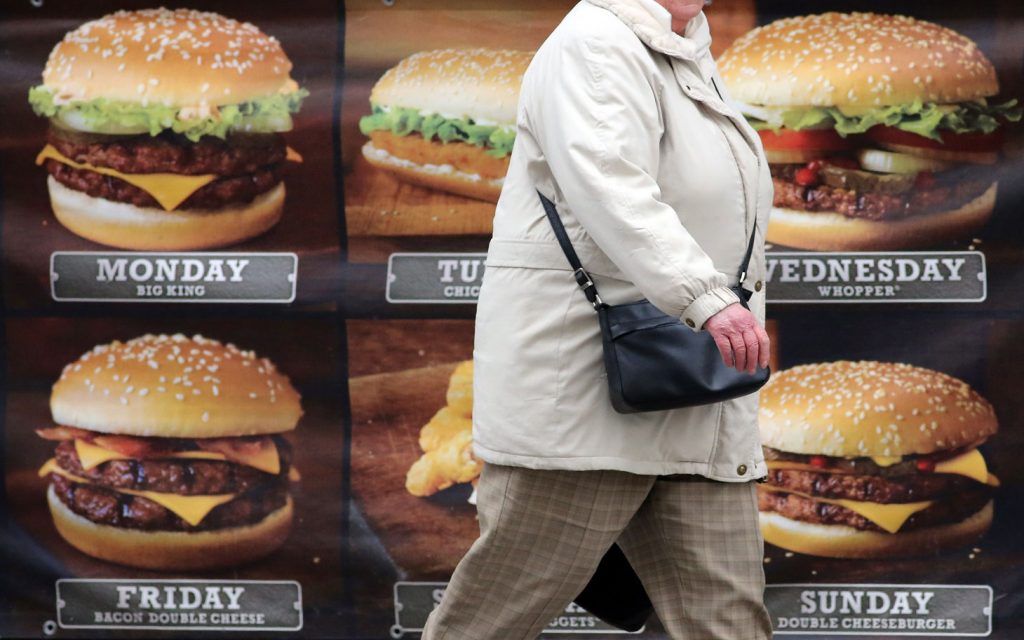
x: 165, y: 129
x: 169, y: 453
x: 873, y: 459
x: 446, y: 119
x: 877, y: 128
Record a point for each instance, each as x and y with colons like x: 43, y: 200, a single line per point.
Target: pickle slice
x: 865, y: 181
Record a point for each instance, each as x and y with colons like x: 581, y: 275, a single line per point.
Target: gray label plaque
x: 794, y: 276
x: 439, y: 278
x: 198, y: 605
x: 130, y: 276
x: 909, y: 276
x: 880, y: 609
x: 415, y: 600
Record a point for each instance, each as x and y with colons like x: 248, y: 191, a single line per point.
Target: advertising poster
x: 241, y: 246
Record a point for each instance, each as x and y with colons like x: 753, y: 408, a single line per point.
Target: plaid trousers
x: 695, y: 543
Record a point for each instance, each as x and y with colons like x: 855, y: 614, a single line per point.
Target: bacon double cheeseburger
x: 878, y: 129
x: 873, y: 459
x: 170, y: 453
x: 446, y: 119
x: 165, y: 129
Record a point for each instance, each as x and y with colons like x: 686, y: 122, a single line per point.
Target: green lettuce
x: 923, y: 118
x: 402, y: 121
x: 270, y: 113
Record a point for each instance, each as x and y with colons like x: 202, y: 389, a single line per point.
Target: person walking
x: 624, y: 124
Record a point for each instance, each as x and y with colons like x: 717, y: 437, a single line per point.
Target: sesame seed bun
x: 174, y: 386
x: 172, y: 550
x: 867, y: 408
x: 127, y: 226
x: 855, y: 60
x: 479, y: 83
x: 443, y: 177
x: 836, y: 541
x: 833, y: 231
x: 178, y: 58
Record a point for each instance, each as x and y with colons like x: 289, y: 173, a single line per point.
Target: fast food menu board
x: 241, y: 247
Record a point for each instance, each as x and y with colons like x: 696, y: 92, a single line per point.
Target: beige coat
x: 658, y: 182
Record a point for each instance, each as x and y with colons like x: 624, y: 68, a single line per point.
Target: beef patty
x: 869, y: 488
x: 172, y: 153
x: 806, y: 509
x: 218, y: 194
x: 184, y: 477
x: 943, y: 196
x: 106, y: 506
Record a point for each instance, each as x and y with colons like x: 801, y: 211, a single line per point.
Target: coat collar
x: 695, y: 46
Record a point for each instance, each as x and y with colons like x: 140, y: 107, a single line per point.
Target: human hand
x: 741, y: 339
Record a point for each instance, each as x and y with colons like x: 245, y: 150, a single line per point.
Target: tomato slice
x: 970, y: 142
x: 816, y: 139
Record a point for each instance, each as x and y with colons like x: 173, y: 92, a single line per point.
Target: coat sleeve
x: 596, y: 120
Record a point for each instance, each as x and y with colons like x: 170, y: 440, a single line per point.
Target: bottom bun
x: 172, y: 550
x: 838, y: 541
x: 831, y: 231
x: 126, y: 226
x: 444, y: 177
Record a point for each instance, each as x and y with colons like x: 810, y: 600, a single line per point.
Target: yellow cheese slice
x: 970, y: 464
x: 887, y: 516
x: 169, y: 189
x: 293, y: 474
x: 191, y: 509
x: 293, y: 155
x: 267, y: 459
x: 886, y: 461
x: 91, y: 456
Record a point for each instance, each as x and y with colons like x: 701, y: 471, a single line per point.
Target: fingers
x: 741, y: 340
x: 764, y: 348
x: 724, y: 347
x: 739, y: 349
x: 752, y: 350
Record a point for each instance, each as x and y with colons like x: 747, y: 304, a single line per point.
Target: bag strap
x: 583, y: 278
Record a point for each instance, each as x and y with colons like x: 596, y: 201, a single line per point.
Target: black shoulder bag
x: 655, y: 362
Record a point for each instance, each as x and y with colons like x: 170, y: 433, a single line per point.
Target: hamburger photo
x: 166, y: 129
x: 446, y: 119
x: 879, y: 129
x: 873, y: 459
x: 170, y: 453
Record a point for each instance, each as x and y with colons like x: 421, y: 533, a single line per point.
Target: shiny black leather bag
x: 655, y: 362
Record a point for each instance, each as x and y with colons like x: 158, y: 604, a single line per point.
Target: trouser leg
x: 697, y: 547
x: 542, y: 534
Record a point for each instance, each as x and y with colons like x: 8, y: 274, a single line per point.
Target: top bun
x: 178, y: 58
x: 174, y: 387
x: 855, y: 60
x: 867, y: 408
x: 479, y: 83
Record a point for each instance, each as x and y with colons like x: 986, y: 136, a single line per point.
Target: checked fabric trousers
x: 695, y: 543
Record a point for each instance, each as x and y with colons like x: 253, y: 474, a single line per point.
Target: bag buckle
x: 588, y: 286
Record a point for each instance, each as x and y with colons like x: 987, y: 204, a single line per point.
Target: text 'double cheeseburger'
x: 170, y: 453
x: 879, y: 130
x: 873, y: 459
x: 166, y: 129
x: 446, y: 119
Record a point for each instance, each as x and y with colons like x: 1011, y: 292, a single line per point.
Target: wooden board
x: 425, y: 537
x: 378, y: 204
